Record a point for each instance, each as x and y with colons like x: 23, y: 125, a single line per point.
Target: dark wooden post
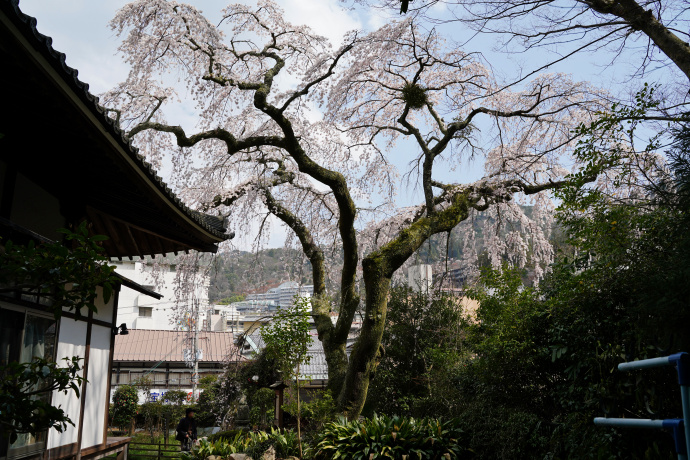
x: 278, y: 387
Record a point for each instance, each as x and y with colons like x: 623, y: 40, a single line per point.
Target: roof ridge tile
x: 59, y: 60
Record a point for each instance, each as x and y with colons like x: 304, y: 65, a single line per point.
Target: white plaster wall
x: 162, y: 315
x: 71, y: 342
x: 97, y: 388
x: 105, y: 311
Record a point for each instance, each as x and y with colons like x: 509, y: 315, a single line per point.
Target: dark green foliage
x: 258, y: 444
x: 225, y: 443
x: 287, y: 341
x: 284, y: 442
x: 545, y: 366
x: 262, y: 406
x: 163, y: 414
x: 125, y: 405
x: 320, y: 410
x: 499, y: 432
x: 219, y: 448
x: 25, y: 396
x: 179, y: 397
x: 206, y: 404
x: 544, y: 361
x: 68, y: 276
x: 422, y: 348
x: 226, y: 436
x: 390, y: 437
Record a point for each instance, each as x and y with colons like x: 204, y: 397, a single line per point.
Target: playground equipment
x: 679, y: 427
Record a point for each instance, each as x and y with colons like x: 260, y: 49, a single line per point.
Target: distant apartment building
x: 283, y: 295
x: 138, y: 311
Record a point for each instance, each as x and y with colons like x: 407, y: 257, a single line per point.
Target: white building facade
x: 420, y: 278
x: 139, y: 311
x: 284, y: 294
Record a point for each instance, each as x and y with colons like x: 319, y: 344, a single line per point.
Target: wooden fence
x: 159, y: 451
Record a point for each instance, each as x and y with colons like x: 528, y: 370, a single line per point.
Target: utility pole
x: 195, y: 350
x: 191, y: 354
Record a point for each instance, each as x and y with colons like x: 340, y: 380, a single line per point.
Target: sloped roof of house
x: 57, y: 134
x: 317, y: 369
x: 143, y: 345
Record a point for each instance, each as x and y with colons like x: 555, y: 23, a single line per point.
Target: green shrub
x: 228, y: 442
x: 226, y: 436
x: 125, y: 404
x: 285, y: 443
x: 262, y: 407
x: 222, y: 449
x: 257, y: 444
x: 390, y: 437
x: 319, y: 411
x: 499, y: 432
x: 202, y: 452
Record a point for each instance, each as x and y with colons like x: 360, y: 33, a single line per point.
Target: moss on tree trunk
x: 378, y: 268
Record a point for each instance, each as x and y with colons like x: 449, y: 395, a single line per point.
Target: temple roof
x: 55, y: 132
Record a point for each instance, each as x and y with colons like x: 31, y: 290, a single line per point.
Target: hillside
x: 238, y: 273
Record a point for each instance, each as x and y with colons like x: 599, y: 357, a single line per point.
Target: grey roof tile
x: 44, y: 44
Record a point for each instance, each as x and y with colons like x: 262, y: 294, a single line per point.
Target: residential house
x: 64, y: 161
x: 162, y: 357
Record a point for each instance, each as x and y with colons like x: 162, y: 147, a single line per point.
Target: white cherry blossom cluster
x: 280, y: 113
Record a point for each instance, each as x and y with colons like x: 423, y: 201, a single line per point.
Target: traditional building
x: 63, y: 161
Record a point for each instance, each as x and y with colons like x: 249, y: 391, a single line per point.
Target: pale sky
x: 79, y: 28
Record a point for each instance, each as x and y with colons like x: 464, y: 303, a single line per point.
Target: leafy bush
x: 206, y: 404
x: 225, y: 443
x: 285, y: 443
x: 200, y: 453
x: 157, y: 416
x: 390, y: 437
x: 226, y: 436
x: 220, y: 449
x: 257, y: 444
x: 500, y: 432
x: 424, y: 346
x: 262, y: 404
x: 125, y: 402
x: 319, y: 411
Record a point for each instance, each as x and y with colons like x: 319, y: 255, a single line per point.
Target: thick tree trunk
x: 333, y: 347
x: 334, y: 339
x: 378, y: 268
x: 365, y: 353
x: 643, y: 20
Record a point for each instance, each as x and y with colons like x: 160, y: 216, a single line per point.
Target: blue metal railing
x: 679, y: 427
